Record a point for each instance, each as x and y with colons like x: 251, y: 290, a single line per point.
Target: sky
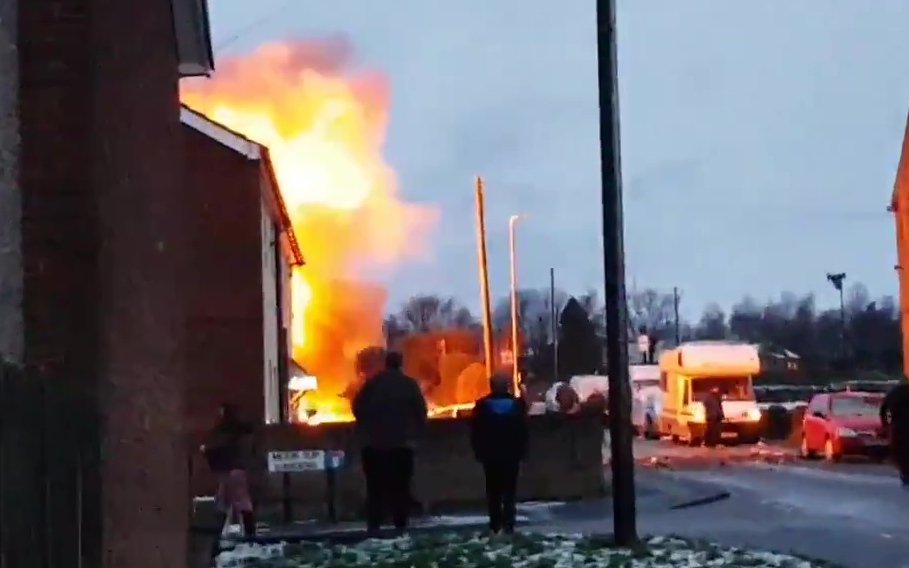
x: 759, y: 139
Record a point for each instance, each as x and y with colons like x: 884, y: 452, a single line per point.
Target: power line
x: 253, y: 26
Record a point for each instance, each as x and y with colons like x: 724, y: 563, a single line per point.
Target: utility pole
x: 554, y: 326
x: 622, y: 463
x: 484, y: 275
x: 675, y: 312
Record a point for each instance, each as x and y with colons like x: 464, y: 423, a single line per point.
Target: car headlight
x: 846, y: 432
x: 754, y: 414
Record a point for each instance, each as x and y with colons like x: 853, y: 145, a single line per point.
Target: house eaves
x: 192, y: 31
x: 254, y: 152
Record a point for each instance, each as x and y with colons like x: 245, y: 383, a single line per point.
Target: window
x: 855, y: 406
x: 818, y: 405
x: 732, y: 388
x: 663, y: 381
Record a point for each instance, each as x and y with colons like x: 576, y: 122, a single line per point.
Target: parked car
x: 844, y: 424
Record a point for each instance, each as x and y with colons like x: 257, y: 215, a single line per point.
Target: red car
x: 844, y: 424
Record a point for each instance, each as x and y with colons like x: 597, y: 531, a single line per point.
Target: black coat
x: 713, y: 407
x: 390, y: 411
x: 498, y: 428
x: 228, y: 448
x: 895, y: 409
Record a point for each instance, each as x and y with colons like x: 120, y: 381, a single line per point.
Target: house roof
x: 253, y: 151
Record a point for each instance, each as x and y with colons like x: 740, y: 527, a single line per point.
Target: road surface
x: 856, y: 514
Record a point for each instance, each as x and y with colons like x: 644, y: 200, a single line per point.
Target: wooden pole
x: 622, y: 463
x: 484, y: 275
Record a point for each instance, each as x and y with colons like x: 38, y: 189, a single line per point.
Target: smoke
x: 324, y: 121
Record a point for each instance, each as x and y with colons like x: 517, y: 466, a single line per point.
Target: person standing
x: 895, y: 418
x: 390, y: 413
x: 228, y: 454
x: 714, y: 417
x: 498, y: 437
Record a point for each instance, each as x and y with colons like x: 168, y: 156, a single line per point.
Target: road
x: 855, y: 514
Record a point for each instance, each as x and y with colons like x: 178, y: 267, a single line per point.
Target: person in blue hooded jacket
x: 498, y: 436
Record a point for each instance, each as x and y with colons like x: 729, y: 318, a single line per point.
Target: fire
x: 324, y: 123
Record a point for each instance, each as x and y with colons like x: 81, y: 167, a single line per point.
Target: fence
x: 49, y: 472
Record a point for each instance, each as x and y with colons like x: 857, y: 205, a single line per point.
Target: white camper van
x: 646, y: 399
x: 690, y: 371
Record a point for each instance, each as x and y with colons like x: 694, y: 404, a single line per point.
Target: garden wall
x: 564, y: 463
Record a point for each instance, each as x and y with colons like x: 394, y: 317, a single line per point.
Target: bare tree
x: 430, y: 313
x: 596, y: 313
x: 713, y: 323
x: 745, y: 320
x: 534, y: 314
x: 393, y: 329
x: 652, y: 310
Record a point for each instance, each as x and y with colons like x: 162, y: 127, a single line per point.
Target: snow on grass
x: 475, y: 550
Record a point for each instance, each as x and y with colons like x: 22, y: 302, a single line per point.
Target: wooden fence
x: 49, y: 473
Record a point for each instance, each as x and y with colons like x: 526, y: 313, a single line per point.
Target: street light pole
x: 837, y: 281
x: 515, y: 375
x: 622, y: 462
x: 553, y: 326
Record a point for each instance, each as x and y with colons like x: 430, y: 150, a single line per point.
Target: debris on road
x: 672, y: 456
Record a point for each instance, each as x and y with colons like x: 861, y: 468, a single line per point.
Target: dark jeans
x: 388, y: 474
x: 501, y: 489
x: 713, y: 434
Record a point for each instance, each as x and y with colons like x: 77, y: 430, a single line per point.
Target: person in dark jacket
x: 895, y: 418
x: 390, y: 414
x: 228, y: 455
x: 498, y: 436
x: 714, y: 416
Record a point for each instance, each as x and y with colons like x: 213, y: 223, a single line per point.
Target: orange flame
x: 324, y: 124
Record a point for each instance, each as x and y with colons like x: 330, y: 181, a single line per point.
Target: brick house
x: 91, y: 265
x: 243, y: 249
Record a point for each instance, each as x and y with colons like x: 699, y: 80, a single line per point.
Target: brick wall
x: 102, y: 238
x: 225, y: 319
x: 564, y: 463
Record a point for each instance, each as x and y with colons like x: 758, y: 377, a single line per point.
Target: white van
x: 646, y: 399
x: 690, y: 371
x: 588, y: 385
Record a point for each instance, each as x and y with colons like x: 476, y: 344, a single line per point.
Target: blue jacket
x: 498, y: 428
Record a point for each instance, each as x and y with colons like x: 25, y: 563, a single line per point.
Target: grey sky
x: 759, y: 139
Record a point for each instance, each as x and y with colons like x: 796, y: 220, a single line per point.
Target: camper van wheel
x: 675, y: 438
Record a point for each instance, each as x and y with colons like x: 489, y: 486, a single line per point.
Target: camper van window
x: 663, y: 381
x: 732, y: 388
